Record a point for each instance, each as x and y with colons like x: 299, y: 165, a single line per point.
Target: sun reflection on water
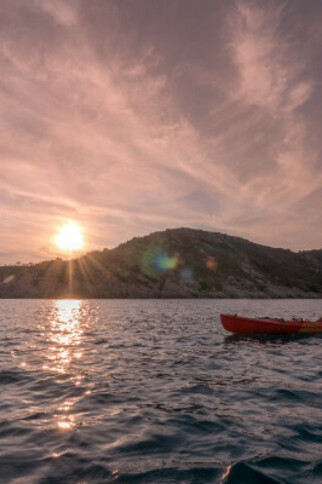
x: 65, y: 333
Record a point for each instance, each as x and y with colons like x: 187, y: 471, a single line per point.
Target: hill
x: 176, y: 263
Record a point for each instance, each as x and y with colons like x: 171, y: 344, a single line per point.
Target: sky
x: 132, y: 116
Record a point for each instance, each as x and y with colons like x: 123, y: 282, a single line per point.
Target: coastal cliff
x: 176, y: 263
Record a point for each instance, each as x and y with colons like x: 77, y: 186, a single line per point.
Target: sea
x: 156, y: 391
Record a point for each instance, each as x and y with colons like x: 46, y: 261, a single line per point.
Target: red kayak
x: 238, y: 324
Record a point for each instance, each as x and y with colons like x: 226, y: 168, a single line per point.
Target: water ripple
x: 156, y: 391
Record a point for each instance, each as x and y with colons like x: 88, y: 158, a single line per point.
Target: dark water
x: 156, y: 392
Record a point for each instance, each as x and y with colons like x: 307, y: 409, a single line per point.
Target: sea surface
x: 155, y: 391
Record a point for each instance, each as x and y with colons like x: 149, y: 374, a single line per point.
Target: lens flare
x: 212, y: 264
x: 9, y: 279
x: 186, y: 275
x: 155, y: 261
x: 164, y: 262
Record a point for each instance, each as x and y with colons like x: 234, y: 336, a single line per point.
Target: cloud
x: 62, y: 12
x: 273, y: 82
x: 130, y: 119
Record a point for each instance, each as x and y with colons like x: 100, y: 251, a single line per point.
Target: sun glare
x: 70, y: 237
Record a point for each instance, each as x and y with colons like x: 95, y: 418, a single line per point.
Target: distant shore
x: 173, y: 264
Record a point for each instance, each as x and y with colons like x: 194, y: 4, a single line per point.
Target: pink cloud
x: 129, y: 133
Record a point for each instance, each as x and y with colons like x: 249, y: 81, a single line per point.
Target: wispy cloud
x: 135, y: 119
x: 273, y: 81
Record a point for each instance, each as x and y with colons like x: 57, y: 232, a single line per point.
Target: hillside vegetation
x: 177, y: 263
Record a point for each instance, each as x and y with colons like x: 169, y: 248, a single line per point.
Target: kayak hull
x: 241, y: 325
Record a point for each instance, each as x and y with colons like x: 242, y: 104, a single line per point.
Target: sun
x: 70, y: 237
